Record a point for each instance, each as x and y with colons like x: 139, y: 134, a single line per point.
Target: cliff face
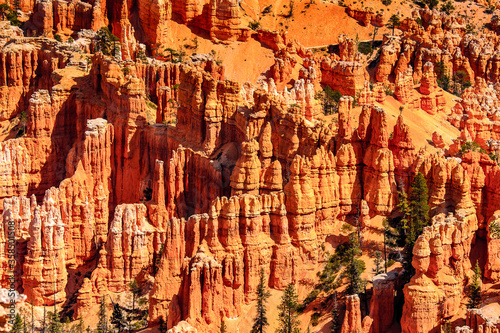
x: 71, y: 220
x: 226, y: 179
x: 442, y: 265
x: 239, y: 236
x: 131, y: 21
x: 440, y: 38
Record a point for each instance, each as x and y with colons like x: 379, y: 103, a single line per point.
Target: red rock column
x: 352, y: 319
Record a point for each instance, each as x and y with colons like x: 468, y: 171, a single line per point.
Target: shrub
x: 448, y: 7
x: 290, y: 12
x: 267, y: 10
x: 470, y: 28
x: 390, y: 262
x: 494, y: 229
x: 471, y: 146
x: 346, y: 227
x: 490, y: 9
x: 330, y: 99
x: 431, y: 3
x: 315, y: 318
x: 126, y: 71
x: 388, y: 91
x: 386, y: 2
x: 10, y: 14
x: 443, y: 80
x: 254, y: 25
x: 365, y: 48
x: 141, y: 55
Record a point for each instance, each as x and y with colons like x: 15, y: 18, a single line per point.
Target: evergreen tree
x: 44, y: 322
x: 102, y: 325
x: 378, y: 263
x: 393, y: 22
x: 334, y: 328
x: 260, y: 321
x: 67, y: 325
x: 55, y: 325
x: 25, y: 326
x: 79, y: 327
x: 18, y: 325
x: 354, y: 267
x: 419, y: 213
x: 223, y: 327
x: 288, y: 321
x: 446, y: 327
x: 157, y: 260
x: 419, y: 218
x: 174, y: 55
x: 443, y: 80
x: 4, y: 10
x: 135, y: 290
x: 117, y: 319
x: 391, y: 236
x: 330, y: 99
x: 106, y: 41
x: 431, y: 3
x: 404, y: 207
x: 475, y: 289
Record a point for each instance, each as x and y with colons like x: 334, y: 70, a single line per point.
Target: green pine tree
x: 260, y: 321
x: 18, y: 325
x: 446, y: 327
x: 355, y: 267
x: 106, y: 41
x: 55, y: 325
x: 44, y: 321
x: 378, y: 269
x: 25, y: 325
x: 117, y: 319
x: 158, y: 260
x: 135, y: 290
x: 391, y: 236
x: 404, y: 207
x: 334, y: 328
x: 102, y: 325
x: 419, y: 205
x: 474, y: 294
x: 393, y: 22
x: 419, y: 218
x: 288, y: 316
x: 79, y: 327
x: 223, y: 327
x: 67, y: 325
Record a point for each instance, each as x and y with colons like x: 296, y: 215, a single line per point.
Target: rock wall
x: 440, y: 38
x: 443, y: 268
x: 250, y: 177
